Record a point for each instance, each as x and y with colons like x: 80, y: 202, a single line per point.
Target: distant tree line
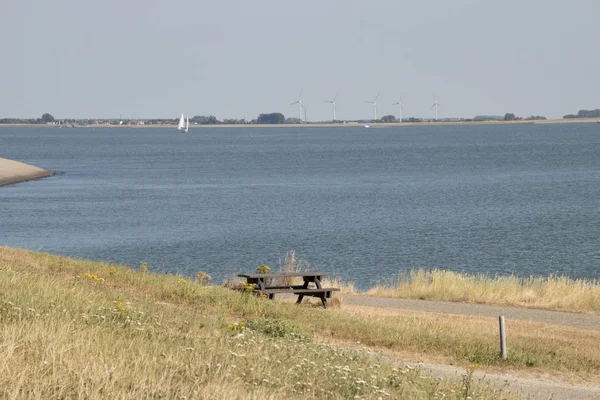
x: 512, y: 117
x: 272, y: 118
x: 45, y: 119
x: 585, y: 114
x: 204, y: 120
x: 265, y: 118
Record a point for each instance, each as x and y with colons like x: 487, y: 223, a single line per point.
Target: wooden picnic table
x: 270, y: 285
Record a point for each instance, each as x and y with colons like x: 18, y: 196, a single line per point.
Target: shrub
x: 263, y: 269
x: 202, y: 278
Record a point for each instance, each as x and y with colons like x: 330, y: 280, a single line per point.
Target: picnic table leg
x: 259, y: 286
x: 324, y: 300
x: 304, y: 286
x: 323, y: 295
x: 318, y: 282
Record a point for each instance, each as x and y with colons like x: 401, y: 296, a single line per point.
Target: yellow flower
x: 94, y: 277
x: 181, y: 281
x: 263, y: 269
x: 144, y: 267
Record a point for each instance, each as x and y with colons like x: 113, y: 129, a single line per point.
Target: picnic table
x: 271, y: 284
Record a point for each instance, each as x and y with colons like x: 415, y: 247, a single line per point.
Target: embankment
x: 15, y: 172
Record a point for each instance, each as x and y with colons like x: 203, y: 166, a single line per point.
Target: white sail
x: 187, y: 124
x: 181, y: 125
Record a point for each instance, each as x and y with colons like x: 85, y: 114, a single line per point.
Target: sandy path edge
x: 14, y: 172
x: 527, y: 388
x: 510, y: 383
x: 574, y: 320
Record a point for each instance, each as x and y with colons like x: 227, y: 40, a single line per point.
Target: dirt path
x: 581, y: 321
x: 522, y: 387
x: 526, y: 388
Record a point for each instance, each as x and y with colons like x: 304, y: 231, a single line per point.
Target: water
x: 361, y: 203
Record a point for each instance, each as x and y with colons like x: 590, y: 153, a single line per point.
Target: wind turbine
x: 333, y: 102
x: 299, y: 101
x: 374, y: 102
x: 400, y: 108
x: 436, y: 105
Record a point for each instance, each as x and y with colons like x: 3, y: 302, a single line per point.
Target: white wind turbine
x: 374, y: 102
x: 435, y: 105
x: 400, y: 108
x: 333, y: 103
x: 299, y: 102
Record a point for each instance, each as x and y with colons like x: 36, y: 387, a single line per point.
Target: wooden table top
x: 283, y: 274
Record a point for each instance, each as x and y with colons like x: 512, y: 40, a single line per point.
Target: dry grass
x: 78, y: 329
x: 344, y: 286
x: 292, y: 264
x: 551, y: 293
x: 534, y: 349
x: 75, y: 328
x: 558, y: 293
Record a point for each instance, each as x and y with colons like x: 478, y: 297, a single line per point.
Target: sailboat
x: 184, y: 124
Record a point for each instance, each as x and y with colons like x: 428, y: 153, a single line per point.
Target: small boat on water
x: 184, y: 124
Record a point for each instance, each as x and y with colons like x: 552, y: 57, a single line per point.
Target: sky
x: 239, y: 58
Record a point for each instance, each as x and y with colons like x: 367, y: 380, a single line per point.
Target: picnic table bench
x: 270, y: 285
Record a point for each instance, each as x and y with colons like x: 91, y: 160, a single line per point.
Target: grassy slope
x: 72, y: 328
x: 77, y: 328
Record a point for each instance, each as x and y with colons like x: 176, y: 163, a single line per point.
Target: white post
x: 502, y: 337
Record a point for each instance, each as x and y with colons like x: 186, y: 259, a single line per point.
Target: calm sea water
x: 364, y: 204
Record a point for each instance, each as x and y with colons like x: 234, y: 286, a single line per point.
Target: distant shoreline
x: 12, y: 172
x: 326, y: 124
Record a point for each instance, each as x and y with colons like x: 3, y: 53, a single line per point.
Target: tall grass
x: 552, y: 292
x: 293, y: 264
x: 77, y: 329
x: 148, y: 304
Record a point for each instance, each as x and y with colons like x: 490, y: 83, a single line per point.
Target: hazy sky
x: 234, y: 59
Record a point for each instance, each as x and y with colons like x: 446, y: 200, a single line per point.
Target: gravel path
x: 525, y: 388
x: 582, y: 321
